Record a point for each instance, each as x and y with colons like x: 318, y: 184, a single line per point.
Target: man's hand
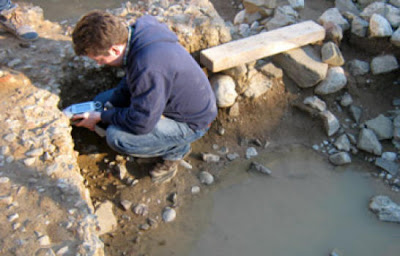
x: 88, y: 119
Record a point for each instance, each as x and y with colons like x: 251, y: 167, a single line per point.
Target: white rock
x: 105, y: 216
x: 251, y: 152
x: 168, y: 214
x: 333, y: 15
x: 224, y: 89
x: 384, y: 64
x: 331, y: 123
x: 44, y: 240
x: 379, y: 26
x: 206, y: 178
x: 334, y: 81
x: 210, y: 158
x: 315, y: 103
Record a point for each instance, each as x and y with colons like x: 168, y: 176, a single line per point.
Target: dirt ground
x: 270, y: 119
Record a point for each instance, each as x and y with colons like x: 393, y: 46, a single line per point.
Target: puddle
x: 59, y: 10
x: 307, y: 207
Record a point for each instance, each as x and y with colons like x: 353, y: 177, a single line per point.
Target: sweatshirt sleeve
x: 148, y: 99
x: 120, y: 96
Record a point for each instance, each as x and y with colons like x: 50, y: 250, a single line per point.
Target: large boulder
x: 302, y: 65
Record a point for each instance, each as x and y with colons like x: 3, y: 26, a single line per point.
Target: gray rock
x: 195, y: 190
x: 382, y: 127
x: 206, y: 178
x: 251, y: 152
x: 340, y: 158
x: 342, y: 143
x: 283, y: 16
x: 260, y: 168
x: 334, y: 81
x: 331, y: 123
x: 395, y: 39
x: 141, y: 209
x: 347, y: 6
x: 224, y: 90
x: 296, y: 4
x: 389, y: 166
x: 270, y: 70
x: 390, y: 156
x: 105, y: 216
x: 232, y: 156
x: 333, y: 15
x: 303, y: 66
x: 315, y: 103
x: 169, y: 214
x: 258, y: 85
x: 385, y: 208
x: 346, y: 100
x: 368, y: 141
x: 331, y: 54
x: 359, y: 27
x: 356, y: 112
x: 210, y: 158
x: 379, y: 26
x: 126, y: 204
x: 333, y: 32
x: 246, y: 17
x: 358, y: 67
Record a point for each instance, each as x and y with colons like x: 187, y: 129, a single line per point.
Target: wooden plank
x: 262, y: 45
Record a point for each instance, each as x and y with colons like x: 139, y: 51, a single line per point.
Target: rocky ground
x: 51, y: 184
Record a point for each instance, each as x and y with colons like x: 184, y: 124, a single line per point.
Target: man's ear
x: 116, y: 50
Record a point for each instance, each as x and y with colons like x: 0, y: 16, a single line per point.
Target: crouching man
x: 164, y: 102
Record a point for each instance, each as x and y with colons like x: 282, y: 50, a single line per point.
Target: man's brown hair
x: 97, y: 31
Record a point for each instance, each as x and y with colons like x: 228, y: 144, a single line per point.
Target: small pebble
x: 195, y: 190
x: 168, y: 214
x: 141, y: 209
x: 251, y: 152
x: 206, y: 178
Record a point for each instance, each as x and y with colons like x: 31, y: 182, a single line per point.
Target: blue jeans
x: 169, y: 139
x: 5, y: 4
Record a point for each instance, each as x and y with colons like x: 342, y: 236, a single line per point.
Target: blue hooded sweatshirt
x: 161, y: 78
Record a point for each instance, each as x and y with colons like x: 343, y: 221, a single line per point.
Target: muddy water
x: 59, y: 10
x: 307, y: 207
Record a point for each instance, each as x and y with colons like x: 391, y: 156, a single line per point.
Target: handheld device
x: 83, y: 107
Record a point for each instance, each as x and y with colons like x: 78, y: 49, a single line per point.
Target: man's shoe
x: 11, y: 21
x: 164, y: 172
